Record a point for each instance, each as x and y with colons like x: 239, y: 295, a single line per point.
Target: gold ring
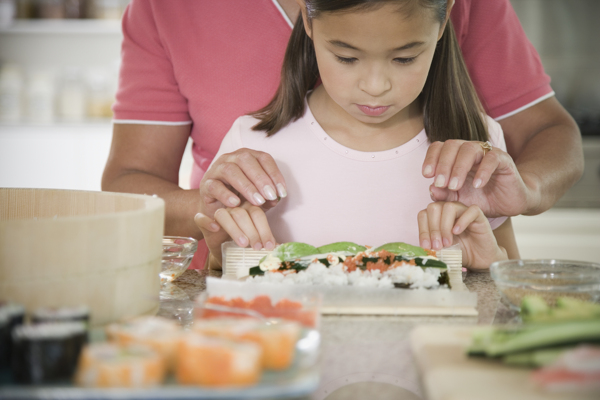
x: 486, y: 146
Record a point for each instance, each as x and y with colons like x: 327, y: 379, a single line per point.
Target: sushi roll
x: 46, y: 352
x: 111, y: 365
x: 276, y: 337
x: 160, y: 334
x: 212, y: 361
x: 61, y: 314
x: 11, y: 315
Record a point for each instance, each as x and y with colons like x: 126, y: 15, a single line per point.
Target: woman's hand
x: 246, y: 225
x: 463, y: 173
x: 443, y: 224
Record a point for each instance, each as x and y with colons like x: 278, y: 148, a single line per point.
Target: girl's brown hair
x: 451, y: 108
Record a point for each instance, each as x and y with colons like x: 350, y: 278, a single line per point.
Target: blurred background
x: 59, y: 63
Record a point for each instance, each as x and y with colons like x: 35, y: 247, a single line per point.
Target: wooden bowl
x: 67, y: 248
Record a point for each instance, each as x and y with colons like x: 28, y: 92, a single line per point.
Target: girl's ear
x: 443, y: 26
x: 307, y: 29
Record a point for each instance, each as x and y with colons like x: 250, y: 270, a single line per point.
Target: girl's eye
x: 345, y: 60
x: 405, y: 60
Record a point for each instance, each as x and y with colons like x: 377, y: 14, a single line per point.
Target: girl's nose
x: 375, y: 83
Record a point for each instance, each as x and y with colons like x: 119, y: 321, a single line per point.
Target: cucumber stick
x: 543, y: 335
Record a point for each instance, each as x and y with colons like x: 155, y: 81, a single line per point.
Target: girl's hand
x: 443, y: 224
x: 462, y: 172
x: 246, y: 225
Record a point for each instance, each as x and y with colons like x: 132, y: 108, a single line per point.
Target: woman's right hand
x: 247, y: 225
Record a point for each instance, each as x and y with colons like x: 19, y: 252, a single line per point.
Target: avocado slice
x: 293, y: 250
x: 402, y: 249
x: 341, y: 246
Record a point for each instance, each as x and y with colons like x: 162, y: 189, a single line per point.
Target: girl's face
x: 374, y: 63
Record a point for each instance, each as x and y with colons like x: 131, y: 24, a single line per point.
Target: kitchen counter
x: 363, y: 355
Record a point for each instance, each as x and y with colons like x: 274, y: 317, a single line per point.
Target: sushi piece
x: 61, y: 314
x: 160, y: 334
x: 276, y: 337
x: 218, y: 362
x: 46, y: 352
x: 106, y: 365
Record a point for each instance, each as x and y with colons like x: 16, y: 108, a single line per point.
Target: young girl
x: 392, y: 81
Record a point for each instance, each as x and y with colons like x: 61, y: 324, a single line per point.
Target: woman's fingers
x: 489, y: 165
x: 431, y: 159
x: 253, y: 174
x: 446, y: 161
x: 469, y: 154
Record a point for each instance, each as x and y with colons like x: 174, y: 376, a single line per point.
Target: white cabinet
x: 61, y: 155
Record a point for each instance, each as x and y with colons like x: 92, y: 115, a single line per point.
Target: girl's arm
x: 505, y: 236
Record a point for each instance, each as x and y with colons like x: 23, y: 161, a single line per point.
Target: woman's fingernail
x: 257, y: 246
x: 428, y: 170
x: 439, y: 181
x: 436, y: 244
x: 477, y: 183
x: 453, y: 184
x: 426, y: 244
x: 259, y: 199
x: 234, y: 201
x: 243, y: 241
x: 269, y: 192
x: 446, y: 242
x: 281, y: 190
x: 269, y: 246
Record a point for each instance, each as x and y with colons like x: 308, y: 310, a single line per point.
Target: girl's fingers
x: 446, y: 161
x: 431, y: 159
x: 424, y: 238
x: 466, y: 218
x: 244, y: 221
x: 205, y: 223
x: 450, y: 211
x: 259, y: 220
x: 227, y: 222
x: 434, y: 211
x: 469, y: 154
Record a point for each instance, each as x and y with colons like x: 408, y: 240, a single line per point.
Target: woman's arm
x: 145, y: 159
x: 545, y: 144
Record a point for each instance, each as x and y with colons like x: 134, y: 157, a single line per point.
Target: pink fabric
x: 340, y: 194
x: 208, y: 62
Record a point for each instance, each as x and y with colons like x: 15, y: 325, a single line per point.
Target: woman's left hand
x: 463, y: 172
x: 448, y: 223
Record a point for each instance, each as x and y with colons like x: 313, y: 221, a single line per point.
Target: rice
x: 337, y: 275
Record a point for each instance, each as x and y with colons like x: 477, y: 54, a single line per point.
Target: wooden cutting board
x: 448, y: 374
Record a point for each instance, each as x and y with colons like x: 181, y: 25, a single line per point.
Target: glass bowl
x: 177, y: 256
x: 549, y: 279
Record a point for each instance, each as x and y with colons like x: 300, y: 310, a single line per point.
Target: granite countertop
x: 365, y: 355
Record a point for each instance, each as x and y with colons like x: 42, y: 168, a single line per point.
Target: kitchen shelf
x: 63, y: 27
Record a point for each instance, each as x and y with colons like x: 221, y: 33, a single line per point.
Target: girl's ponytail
x: 451, y: 107
x: 299, y: 74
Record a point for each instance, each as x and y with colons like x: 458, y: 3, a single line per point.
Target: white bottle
x: 40, y: 97
x: 11, y: 94
x: 72, y: 96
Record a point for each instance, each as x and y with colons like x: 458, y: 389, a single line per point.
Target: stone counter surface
x: 370, y: 356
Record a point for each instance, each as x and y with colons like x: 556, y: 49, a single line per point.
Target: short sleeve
x: 503, y: 64
x: 148, y: 90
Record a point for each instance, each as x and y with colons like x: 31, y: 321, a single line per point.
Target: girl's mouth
x: 373, y: 111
